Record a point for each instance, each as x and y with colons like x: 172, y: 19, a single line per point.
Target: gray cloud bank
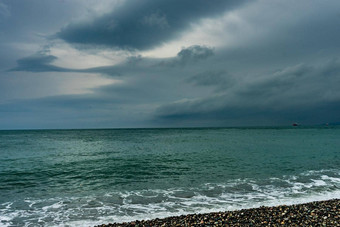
x: 304, y: 93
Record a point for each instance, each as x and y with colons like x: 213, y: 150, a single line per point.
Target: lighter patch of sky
x: 50, y: 84
x: 77, y: 83
x: 72, y: 58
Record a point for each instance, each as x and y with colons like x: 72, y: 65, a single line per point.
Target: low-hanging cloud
x: 305, y: 93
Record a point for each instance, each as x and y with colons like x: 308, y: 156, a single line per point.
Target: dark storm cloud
x: 255, y: 116
x: 305, y: 93
x: 143, y: 24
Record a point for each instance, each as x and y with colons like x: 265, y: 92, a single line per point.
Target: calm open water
x: 89, y: 177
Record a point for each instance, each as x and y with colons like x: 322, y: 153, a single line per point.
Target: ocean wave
x: 121, y: 206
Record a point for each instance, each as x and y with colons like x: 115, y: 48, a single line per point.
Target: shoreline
x: 325, y: 213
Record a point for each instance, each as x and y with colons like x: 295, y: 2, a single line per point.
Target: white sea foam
x: 121, y: 206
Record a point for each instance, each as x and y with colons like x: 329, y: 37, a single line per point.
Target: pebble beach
x: 321, y: 213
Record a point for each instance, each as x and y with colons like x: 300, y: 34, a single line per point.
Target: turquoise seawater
x: 89, y: 177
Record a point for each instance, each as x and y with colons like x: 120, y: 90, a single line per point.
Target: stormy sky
x: 168, y: 63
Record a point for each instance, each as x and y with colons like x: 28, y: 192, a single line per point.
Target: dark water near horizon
x: 89, y: 177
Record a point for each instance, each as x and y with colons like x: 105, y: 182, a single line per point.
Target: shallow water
x: 88, y: 177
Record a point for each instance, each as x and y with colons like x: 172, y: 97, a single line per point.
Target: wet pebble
x: 322, y: 213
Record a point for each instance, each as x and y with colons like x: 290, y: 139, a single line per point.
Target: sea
x: 92, y: 177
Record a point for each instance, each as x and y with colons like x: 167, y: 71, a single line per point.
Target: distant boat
x: 295, y: 124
